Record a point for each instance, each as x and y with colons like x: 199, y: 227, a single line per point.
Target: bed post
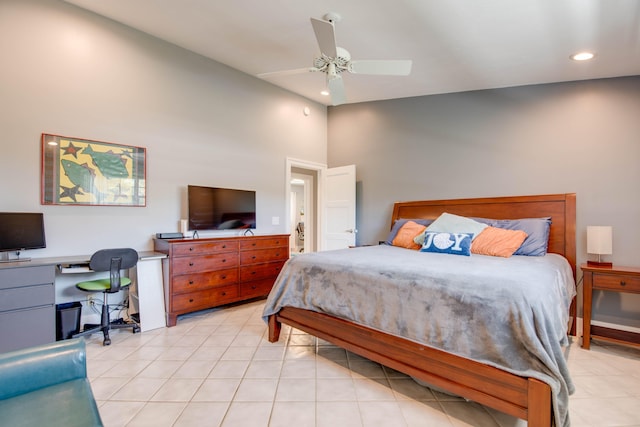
x: 539, y: 413
x: 274, y: 328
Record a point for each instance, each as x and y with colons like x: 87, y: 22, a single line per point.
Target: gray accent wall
x: 581, y: 137
x: 69, y: 72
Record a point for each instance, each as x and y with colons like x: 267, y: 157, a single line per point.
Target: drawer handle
x: 223, y: 277
x: 224, y: 293
x: 191, y: 249
x: 253, y: 272
x: 190, y: 299
x: 253, y: 257
x: 254, y: 287
x: 253, y: 244
x: 224, y: 260
x: 623, y: 283
x: 191, y: 264
x: 277, y: 253
x: 224, y: 246
x: 191, y: 282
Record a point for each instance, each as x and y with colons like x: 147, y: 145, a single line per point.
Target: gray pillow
x: 537, y: 230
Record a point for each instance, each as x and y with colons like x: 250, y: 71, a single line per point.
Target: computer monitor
x: 20, y: 231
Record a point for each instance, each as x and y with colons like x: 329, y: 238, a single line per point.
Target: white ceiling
x: 455, y: 45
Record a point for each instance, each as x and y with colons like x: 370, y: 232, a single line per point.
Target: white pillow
x: 450, y: 223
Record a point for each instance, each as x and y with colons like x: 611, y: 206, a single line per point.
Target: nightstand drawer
x: 618, y: 282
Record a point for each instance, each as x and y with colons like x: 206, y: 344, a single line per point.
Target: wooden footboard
x: 526, y: 398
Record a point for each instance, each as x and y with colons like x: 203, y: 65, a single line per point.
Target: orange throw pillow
x: 497, y: 242
x: 407, y: 233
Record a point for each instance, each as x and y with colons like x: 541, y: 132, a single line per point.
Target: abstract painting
x: 84, y: 172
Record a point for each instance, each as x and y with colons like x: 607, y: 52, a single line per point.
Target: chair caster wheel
x: 136, y: 329
x: 107, y: 341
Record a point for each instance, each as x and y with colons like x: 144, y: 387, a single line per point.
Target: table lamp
x: 599, y: 242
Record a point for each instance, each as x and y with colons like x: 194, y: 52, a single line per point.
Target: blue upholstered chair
x: 112, y: 260
x: 48, y: 386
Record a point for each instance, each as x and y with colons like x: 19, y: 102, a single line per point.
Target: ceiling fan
x: 334, y: 60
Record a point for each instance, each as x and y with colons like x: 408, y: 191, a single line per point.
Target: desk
x: 29, y: 291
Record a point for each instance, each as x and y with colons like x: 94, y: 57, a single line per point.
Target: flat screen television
x: 212, y: 208
x: 20, y: 231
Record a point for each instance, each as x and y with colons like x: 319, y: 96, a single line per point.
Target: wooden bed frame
x: 522, y: 397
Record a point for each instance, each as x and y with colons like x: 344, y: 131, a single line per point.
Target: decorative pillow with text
x: 447, y: 243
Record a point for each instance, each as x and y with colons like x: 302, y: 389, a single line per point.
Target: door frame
x: 320, y: 170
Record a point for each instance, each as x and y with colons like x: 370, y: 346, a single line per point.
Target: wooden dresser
x: 208, y: 272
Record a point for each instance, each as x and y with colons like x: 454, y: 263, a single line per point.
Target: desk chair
x: 112, y: 260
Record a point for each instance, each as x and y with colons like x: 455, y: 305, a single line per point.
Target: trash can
x: 67, y: 319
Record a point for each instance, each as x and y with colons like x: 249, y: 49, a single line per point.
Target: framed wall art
x: 83, y: 172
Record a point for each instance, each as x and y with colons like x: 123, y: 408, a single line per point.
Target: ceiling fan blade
x: 326, y: 37
x: 384, y: 67
x: 336, y: 89
x: 287, y: 72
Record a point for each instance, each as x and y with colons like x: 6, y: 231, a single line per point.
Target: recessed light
x: 582, y: 56
x: 324, y: 93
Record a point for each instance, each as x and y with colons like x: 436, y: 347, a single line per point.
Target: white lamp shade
x: 600, y: 239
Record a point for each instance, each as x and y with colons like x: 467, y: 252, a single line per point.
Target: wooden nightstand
x: 615, y: 279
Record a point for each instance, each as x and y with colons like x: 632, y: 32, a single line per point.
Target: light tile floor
x: 216, y: 368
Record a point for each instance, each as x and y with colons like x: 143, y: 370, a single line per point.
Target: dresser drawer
x: 257, y: 288
x: 193, y: 301
x: 618, y: 282
x: 199, y: 281
x: 202, y: 248
x: 260, y: 271
x: 263, y: 255
x: 259, y: 243
x: 198, y: 264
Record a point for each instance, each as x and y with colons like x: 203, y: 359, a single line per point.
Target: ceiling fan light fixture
x: 582, y: 56
x: 335, y: 61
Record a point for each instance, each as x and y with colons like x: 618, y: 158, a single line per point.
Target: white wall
x: 581, y: 137
x: 69, y: 72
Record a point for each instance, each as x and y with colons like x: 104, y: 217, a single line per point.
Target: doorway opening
x: 303, y: 180
x: 301, y: 212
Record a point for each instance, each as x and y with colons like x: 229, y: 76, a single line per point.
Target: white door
x: 339, y: 229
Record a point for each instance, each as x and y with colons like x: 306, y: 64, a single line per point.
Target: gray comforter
x: 511, y: 313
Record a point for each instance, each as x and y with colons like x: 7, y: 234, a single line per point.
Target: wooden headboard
x: 560, y: 207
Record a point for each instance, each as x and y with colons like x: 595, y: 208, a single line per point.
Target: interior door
x: 339, y: 208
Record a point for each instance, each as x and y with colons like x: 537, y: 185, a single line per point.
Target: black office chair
x: 112, y: 260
